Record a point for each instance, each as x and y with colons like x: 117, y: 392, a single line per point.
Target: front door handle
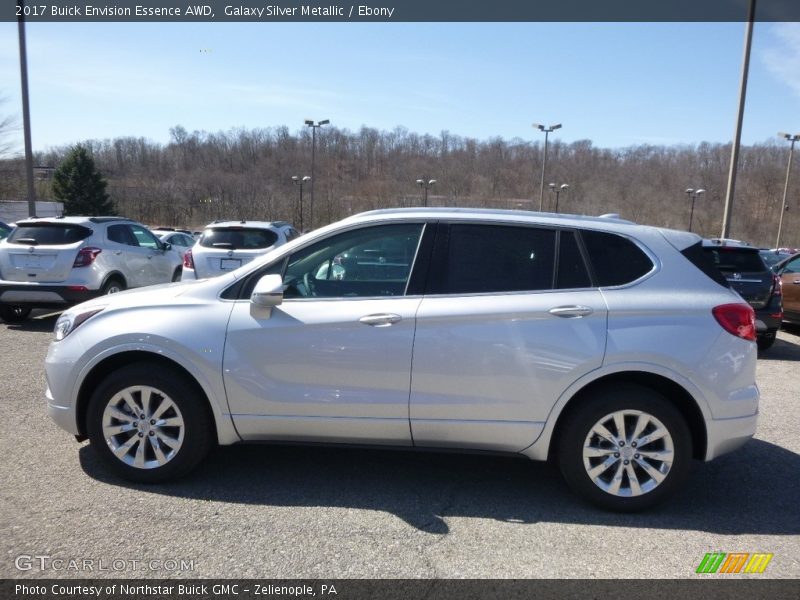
x: 380, y: 319
x: 571, y: 312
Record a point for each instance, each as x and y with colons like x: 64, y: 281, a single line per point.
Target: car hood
x: 153, y: 295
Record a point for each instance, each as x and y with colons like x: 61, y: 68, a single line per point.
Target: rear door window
x: 48, y: 234
x: 497, y: 258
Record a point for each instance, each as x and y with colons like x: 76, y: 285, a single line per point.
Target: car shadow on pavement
x: 45, y: 322
x: 782, y: 349
x: 750, y: 491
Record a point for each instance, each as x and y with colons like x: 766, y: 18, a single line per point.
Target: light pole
x: 300, y: 181
x: 547, y: 131
x: 314, y: 126
x: 693, y: 194
x: 792, y: 139
x: 425, y: 184
x: 557, y: 189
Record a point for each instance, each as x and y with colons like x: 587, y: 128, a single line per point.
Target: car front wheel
x: 626, y: 449
x: 149, y: 423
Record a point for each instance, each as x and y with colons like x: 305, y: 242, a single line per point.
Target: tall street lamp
x: 792, y: 139
x: 314, y: 126
x: 557, y: 189
x: 547, y: 131
x: 299, y: 182
x: 425, y: 184
x: 693, y: 194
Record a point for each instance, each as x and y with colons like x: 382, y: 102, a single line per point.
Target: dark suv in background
x: 746, y: 272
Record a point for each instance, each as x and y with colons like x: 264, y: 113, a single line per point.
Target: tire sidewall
x: 110, y: 283
x: 197, y: 423
x: 605, y: 402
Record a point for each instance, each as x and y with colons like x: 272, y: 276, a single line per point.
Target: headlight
x: 69, y: 322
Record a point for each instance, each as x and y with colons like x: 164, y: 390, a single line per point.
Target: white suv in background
x: 227, y: 245
x: 58, y: 262
x: 613, y: 347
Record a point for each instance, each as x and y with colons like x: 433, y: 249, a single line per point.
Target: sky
x: 616, y: 84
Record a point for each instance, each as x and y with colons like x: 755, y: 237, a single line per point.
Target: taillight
x: 188, y: 261
x: 737, y: 319
x: 777, y: 285
x: 86, y: 256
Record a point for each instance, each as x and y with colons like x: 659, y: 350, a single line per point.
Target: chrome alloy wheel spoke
x: 631, y: 457
x: 143, y: 427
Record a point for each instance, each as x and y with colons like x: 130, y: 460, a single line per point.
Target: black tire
x: 169, y: 384
x: 605, y: 402
x: 176, y: 276
x: 766, y: 340
x: 12, y: 313
x: 113, y: 286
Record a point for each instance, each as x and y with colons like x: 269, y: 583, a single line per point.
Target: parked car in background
x: 745, y: 271
x: 773, y: 256
x: 789, y: 271
x: 60, y: 261
x: 179, y: 242
x: 5, y: 229
x: 615, y: 348
x: 227, y: 245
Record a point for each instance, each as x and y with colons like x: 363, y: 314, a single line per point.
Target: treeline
x: 246, y: 174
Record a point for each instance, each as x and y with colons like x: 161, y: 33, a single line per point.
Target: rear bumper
x: 769, y: 317
x: 725, y: 435
x: 44, y: 296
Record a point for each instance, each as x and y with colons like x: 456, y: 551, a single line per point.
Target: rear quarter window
x: 49, y: 234
x: 239, y: 238
x: 615, y: 259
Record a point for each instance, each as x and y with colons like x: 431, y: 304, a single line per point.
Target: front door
x: 333, y: 361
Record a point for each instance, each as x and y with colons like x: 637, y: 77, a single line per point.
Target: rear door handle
x: 571, y: 312
x: 796, y: 282
x: 381, y: 319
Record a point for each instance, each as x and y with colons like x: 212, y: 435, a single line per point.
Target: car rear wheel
x: 176, y: 276
x: 626, y: 449
x: 148, y: 423
x: 11, y: 313
x: 113, y: 286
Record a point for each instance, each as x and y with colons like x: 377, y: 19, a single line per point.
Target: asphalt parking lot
x: 266, y: 511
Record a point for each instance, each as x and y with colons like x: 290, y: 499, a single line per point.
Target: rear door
x: 42, y: 251
x: 509, y: 321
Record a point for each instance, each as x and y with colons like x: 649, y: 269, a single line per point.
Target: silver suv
x: 610, y: 346
x: 57, y: 262
x: 227, y: 245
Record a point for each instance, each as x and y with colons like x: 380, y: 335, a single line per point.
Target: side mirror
x: 268, y: 292
x: 166, y: 246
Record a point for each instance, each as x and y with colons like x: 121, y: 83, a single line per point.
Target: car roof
x: 256, y: 224
x: 76, y: 220
x: 610, y: 223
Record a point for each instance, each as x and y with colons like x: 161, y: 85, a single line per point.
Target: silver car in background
x: 60, y: 261
x: 616, y: 349
x: 227, y: 245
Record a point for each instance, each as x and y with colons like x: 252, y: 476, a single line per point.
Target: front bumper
x: 63, y: 416
x: 725, y: 435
